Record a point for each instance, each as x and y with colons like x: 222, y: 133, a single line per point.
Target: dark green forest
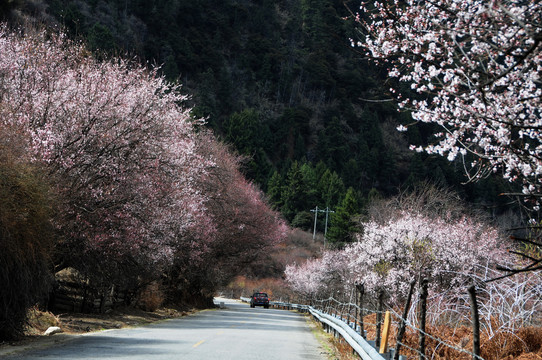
x: 280, y: 82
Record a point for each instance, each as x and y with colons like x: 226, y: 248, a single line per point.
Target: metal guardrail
x: 363, y: 348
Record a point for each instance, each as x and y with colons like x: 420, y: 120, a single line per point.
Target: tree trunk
x: 361, y: 290
x: 422, y: 317
x: 402, y: 326
x: 475, y: 323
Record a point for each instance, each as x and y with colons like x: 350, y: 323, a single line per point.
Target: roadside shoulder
x: 35, y: 342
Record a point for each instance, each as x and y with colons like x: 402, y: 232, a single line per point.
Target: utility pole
x: 316, y: 211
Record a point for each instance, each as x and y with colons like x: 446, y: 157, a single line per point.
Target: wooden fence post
x: 475, y: 323
x: 385, y: 333
x: 402, y: 326
x: 422, y: 317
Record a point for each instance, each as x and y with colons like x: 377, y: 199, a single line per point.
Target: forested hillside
x: 280, y: 81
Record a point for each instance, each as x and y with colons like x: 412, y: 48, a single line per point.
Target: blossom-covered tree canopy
x: 427, y: 233
x: 415, y: 246
x: 320, y: 277
x: 240, y: 225
x: 409, y: 246
x: 479, y: 65
x: 113, y: 136
x: 135, y: 186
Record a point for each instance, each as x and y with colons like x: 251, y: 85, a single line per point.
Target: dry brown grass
x: 523, y: 344
x: 343, y: 351
x: 151, y: 298
x: 38, y: 321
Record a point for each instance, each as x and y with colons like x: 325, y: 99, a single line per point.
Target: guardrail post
x: 333, y: 322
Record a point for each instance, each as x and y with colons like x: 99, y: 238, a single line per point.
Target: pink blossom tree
x: 321, y: 277
x: 242, y: 225
x: 388, y: 255
x: 426, y: 234
x: 306, y: 279
x: 477, y: 65
x: 415, y: 246
x: 117, y: 144
x: 141, y: 193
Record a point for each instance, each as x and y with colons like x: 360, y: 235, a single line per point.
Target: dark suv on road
x: 259, y: 299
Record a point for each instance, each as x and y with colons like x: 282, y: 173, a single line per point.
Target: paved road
x: 235, y: 332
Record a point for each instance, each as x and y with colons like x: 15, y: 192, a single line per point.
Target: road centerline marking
x: 198, y: 344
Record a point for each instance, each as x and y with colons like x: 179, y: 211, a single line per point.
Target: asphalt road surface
x: 235, y: 332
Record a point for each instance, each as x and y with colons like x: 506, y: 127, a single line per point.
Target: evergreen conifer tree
x: 343, y: 220
x: 330, y: 189
x: 294, y: 193
x: 274, y: 190
x: 310, y: 181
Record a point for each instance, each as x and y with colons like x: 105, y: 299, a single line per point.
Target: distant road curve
x: 235, y: 332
